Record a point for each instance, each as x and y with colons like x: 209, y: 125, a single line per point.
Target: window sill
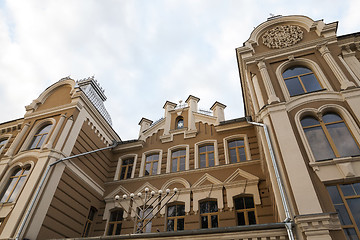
x: 334, y: 161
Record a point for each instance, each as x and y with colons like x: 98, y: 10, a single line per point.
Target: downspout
x: 287, y: 221
x: 115, y: 143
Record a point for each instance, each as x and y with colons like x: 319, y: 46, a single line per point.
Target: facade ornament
x: 282, y: 36
x: 291, y: 58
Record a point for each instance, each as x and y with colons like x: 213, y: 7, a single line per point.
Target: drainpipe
x: 287, y: 221
x: 115, y: 143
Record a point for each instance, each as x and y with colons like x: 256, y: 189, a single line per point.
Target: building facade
x: 288, y: 170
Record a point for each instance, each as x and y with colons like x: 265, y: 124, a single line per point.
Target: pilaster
x: 272, y: 98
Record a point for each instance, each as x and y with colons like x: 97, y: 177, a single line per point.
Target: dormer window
x: 179, y: 123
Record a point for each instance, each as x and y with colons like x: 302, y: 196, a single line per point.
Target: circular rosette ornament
x: 282, y: 36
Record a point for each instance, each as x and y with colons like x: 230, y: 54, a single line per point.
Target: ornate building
x: 288, y: 170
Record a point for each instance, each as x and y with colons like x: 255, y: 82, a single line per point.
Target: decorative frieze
x: 282, y: 36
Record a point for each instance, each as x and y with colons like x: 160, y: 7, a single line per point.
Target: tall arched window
x: 299, y: 80
x: 237, y: 151
x: 329, y: 137
x: 206, y: 156
x: 175, y: 217
x: 209, y: 214
x: 245, y: 210
x: 178, y: 160
x: 40, y: 137
x: 179, y: 123
x: 14, y: 184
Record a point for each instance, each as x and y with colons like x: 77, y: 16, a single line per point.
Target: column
x: 267, y: 82
x: 339, y: 74
x: 17, y: 140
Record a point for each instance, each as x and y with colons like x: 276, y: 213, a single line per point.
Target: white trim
x: 198, y: 144
x: 169, y: 154
x: 235, y: 137
x: 301, y: 62
x: 343, y: 113
x: 119, y: 164
x: 143, y: 159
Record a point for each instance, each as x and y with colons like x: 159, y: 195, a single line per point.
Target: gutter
x: 288, y: 222
x: 115, y: 143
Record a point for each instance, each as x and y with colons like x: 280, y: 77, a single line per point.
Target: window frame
x: 228, y: 139
x: 347, y: 208
x: 175, y: 218
x: 120, y: 163
x: 197, y: 153
x: 114, y: 222
x: 304, y: 62
x: 245, y: 210
x: 89, y: 222
x: 7, y: 180
x: 341, y: 111
x: 143, y: 162
x: 169, y: 157
x: 178, y: 119
x: 208, y: 215
x: 34, y: 130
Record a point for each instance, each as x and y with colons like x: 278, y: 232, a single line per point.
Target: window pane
x: 45, y: 129
x: 252, y: 218
x: 41, y: 141
x: 34, y: 142
x: 202, y: 160
x: 347, y: 190
x: 309, y: 121
x: 180, y: 224
x: 210, y: 148
x: 129, y: 172
x: 110, y: 229
x: 233, y: 158
x: 170, y: 225
x: 204, y: 222
x: 242, y: 154
x: 343, y: 214
x: 202, y: 149
x: 294, y: 86
x: 351, y: 234
x: 331, y: 117
x: 123, y: 171
x: 213, y: 206
x: 319, y: 143
x: 171, y: 211
x: 232, y: 144
x: 211, y: 160
x: 180, y: 210
x: 182, y: 164
x: 343, y: 140
x: 155, y: 167
x: 118, y: 229
x: 204, y: 208
x: 356, y: 188
x: 147, y: 169
x: 214, y: 221
x: 310, y: 82
x: 174, y: 165
x: 239, y: 203
x: 249, y: 202
x: 17, y: 189
x: 241, y: 218
x: 334, y: 194
x: 294, y: 71
x: 9, y: 188
x: 354, y: 205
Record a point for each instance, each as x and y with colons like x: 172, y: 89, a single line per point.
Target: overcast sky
x: 143, y: 53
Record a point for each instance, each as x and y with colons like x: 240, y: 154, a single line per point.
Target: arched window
x: 14, y: 184
x: 89, y: 221
x: 209, y: 214
x: 245, y: 210
x: 178, y: 160
x: 299, y: 80
x: 329, y: 137
x: 237, y: 151
x: 179, y: 123
x: 115, y: 222
x: 40, y: 137
x: 206, y: 156
x: 175, y: 217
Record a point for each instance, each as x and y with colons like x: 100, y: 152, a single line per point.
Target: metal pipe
x: 287, y: 220
x: 43, y: 181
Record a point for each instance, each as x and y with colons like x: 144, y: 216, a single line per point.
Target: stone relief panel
x: 282, y: 36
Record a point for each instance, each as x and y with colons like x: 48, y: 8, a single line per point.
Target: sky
x: 142, y: 52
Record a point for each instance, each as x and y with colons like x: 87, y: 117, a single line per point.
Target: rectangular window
x: 144, y: 222
x: 346, y: 200
x: 178, y: 160
x: 206, y: 156
x: 115, y: 222
x: 126, y: 168
x: 237, y: 151
x: 209, y: 214
x: 245, y: 210
x: 151, y: 164
x: 175, y: 217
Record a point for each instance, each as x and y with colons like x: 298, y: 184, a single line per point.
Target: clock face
x: 180, y: 123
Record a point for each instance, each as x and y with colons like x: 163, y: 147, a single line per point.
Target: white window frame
x: 236, y: 137
x: 205, y: 142
x: 119, y: 165
x: 341, y: 111
x: 301, y: 62
x: 143, y: 159
x: 175, y: 148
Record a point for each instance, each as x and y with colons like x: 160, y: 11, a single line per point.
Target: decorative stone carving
x: 282, y: 36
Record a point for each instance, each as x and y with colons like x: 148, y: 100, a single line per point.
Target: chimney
x: 218, y: 111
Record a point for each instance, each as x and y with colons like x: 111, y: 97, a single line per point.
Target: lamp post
x: 151, y: 205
